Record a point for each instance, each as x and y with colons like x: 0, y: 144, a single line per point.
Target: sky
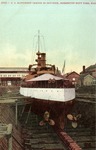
x: 67, y: 29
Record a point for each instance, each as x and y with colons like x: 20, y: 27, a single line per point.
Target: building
x: 73, y: 77
x: 89, y: 80
x: 88, y: 76
x: 12, y: 75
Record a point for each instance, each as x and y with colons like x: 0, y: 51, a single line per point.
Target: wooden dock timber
x: 88, y: 98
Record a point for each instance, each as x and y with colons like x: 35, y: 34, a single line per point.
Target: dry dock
x: 49, y: 138
x: 28, y: 135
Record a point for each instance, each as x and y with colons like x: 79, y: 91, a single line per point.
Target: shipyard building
x: 12, y: 75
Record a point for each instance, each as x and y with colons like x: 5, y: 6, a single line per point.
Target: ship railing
x: 47, y: 84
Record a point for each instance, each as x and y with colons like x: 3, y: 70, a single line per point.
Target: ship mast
x: 38, y: 41
x: 41, y: 60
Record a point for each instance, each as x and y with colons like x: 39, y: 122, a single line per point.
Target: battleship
x: 47, y: 91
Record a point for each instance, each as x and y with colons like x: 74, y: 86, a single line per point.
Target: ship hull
x: 51, y: 94
x: 58, y: 108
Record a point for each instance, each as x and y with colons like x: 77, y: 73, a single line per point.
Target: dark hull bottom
x: 58, y: 110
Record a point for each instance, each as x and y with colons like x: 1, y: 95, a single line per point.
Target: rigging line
x: 33, y: 53
x: 34, y: 40
x: 44, y: 43
x: 34, y: 48
x: 36, y: 45
x: 38, y: 41
x: 41, y: 45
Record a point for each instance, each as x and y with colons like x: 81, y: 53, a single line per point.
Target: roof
x: 73, y: 72
x: 82, y: 76
x: 89, y: 75
x: 45, y: 77
x: 7, y: 69
x: 91, y: 68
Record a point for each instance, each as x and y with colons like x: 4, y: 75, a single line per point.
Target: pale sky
x: 69, y: 32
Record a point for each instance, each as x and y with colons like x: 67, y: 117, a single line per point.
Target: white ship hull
x: 52, y: 94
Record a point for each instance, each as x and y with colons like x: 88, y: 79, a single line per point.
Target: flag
x: 63, y: 69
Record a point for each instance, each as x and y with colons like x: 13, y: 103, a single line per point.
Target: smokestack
x: 83, y: 69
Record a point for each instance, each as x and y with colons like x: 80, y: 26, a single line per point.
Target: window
x: 73, y: 79
x: 9, y: 75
